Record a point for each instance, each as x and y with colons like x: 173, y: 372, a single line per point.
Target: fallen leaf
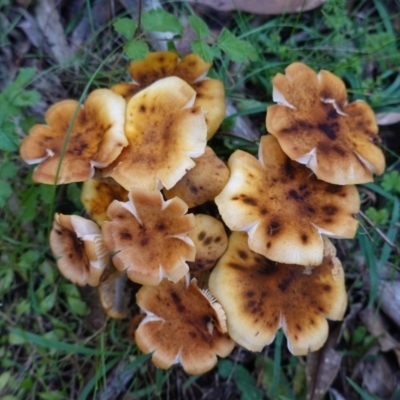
x: 390, y: 299
x: 266, y: 7
x: 387, y: 118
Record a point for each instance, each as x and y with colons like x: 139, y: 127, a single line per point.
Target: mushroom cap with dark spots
x: 284, y: 208
x: 182, y: 326
x: 316, y: 127
x: 192, y: 69
x: 164, y: 132
x: 77, y: 244
x: 203, y: 182
x: 260, y: 296
x: 210, y: 240
x: 96, y: 138
x: 149, y: 236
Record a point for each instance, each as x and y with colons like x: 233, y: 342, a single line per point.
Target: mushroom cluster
x: 140, y: 149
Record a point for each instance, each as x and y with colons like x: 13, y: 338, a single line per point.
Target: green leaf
x: 5, y: 192
x: 26, y: 98
x: 224, y: 368
x: 391, y: 182
x: 23, y: 78
x: 199, y: 26
x: 126, y: 27
x: 47, y: 303
x: 8, y: 170
x: 158, y: 20
x: 237, y: 50
x: 203, y: 50
x: 8, y: 138
x: 136, y: 49
x: 77, y: 306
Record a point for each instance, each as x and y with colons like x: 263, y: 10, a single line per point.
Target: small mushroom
x: 316, y: 126
x: 192, y: 69
x: 149, y: 237
x: 283, y: 208
x: 260, y: 296
x: 165, y: 131
x: 210, y: 240
x: 96, y: 196
x: 78, y: 245
x: 182, y: 325
x: 96, y: 138
x: 196, y: 187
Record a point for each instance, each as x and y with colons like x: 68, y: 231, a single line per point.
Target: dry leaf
x: 267, y: 7
x: 387, y: 118
x: 48, y: 20
x: 390, y: 299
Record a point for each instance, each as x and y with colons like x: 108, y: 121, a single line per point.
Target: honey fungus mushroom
x: 96, y: 138
x: 316, y: 126
x: 192, y: 69
x: 165, y: 131
x: 78, y: 245
x: 196, y: 187
x: 283, y: 208
x: 260, y: 296
x: 182, y: 325
x: 210, y: 240
x: 149, y: 237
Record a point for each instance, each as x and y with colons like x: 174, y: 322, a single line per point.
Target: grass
x: 55, y: 342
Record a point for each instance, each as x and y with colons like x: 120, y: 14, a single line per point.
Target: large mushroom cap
x: 183, y: 325
x: 96, y: 138
x: 79, y: 245
x: 283, y: 207
x: 259, y: 296
x: 196, y: 187
x: 150, y: 237
x: 210, y: 240
x: 315, y: 126
x: 192, y: 69
x: 165, y: 132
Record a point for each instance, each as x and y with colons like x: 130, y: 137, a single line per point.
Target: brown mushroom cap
x: 203, y: 182
x: 96, y: 138
x: 192, y: 69
x: 150, y: 237
x: 283, y: 207
x: 180, y: 326
x: 259, y: 296
x: 316, y: 127
x: 96, y: 196
x: 164, y: 131
x: 79, y: 245
x: 210, y: 240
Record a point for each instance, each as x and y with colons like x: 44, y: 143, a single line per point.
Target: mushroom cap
x: 316, y: 127
x: 79, y: 245
x: 150, y: 237
x: 259, y: 296
x: 283, y: 207
x: 180, y: 326
x: 192, y: 69
x: 164, y: 132
x: 196, y: 187
x: 112, y: 293
x: 210, y: 239
x: 96, y: 138
x: 96, y: 196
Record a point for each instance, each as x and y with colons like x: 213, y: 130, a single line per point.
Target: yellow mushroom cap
x: 164, y: 132
x: 96, y: 196
x: 183, y: 325
x: 210, y: 239
x: 260, y: 296
x: 283, y: 208
x: 316, y: 127
x: 78, y: 245
x: 96, y: 138
x: 196, y: 187
x: 149, y: 236
x: 192, y: 69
